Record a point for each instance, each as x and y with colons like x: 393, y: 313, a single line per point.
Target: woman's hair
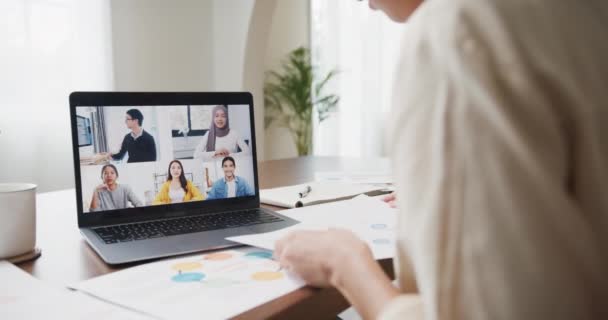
x: 231, y: 159
x: 108, y: 166
x: 182, y: 176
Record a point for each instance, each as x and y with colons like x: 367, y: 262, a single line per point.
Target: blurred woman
x: 220, y: 140
x: 499, y: 145
x: 177, y: 188
x: 110, y: 195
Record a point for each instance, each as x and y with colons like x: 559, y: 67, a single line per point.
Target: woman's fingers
x: 390, y: 197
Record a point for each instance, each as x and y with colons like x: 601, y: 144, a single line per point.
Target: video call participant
x: 110, y: 195
x: 220, y: 140
x: 230, y: 185
x: 138, y: 143
x: 177, y: 188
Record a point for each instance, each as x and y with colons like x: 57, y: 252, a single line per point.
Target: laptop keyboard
x: 171, y: 227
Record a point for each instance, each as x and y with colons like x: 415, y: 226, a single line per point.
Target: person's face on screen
x: 228, y: 168
x: 131, y: 123
x: 397, y: 10
x: 219, y: 118
x: 109, y: 176
x: 176, y: 170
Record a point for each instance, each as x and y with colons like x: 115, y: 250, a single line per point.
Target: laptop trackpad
x: 206, y: 241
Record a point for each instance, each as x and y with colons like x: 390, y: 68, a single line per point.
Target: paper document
x: 25, y: 297
x: 216, y: 285
x: 365, y: 177
x: 370, y: 219
x: 316, y: 193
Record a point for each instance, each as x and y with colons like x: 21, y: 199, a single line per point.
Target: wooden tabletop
x: 67, y: 258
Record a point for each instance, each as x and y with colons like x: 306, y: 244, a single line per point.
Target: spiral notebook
x: 312, y: 193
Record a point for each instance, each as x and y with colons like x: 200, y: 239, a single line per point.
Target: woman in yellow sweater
x: 177, y: 188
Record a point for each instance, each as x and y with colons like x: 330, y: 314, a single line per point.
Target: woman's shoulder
x: 242, y: 180
x: 233, y: 132
x: 165, y: 185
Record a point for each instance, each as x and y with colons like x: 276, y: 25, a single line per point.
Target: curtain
x: 99, y: 131
x: 363, y: 45
x: 48, y: 48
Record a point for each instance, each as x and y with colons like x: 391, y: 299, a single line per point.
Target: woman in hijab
x: 220, y: 140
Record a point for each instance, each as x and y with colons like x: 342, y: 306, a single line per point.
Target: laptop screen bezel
x: 121, y: 99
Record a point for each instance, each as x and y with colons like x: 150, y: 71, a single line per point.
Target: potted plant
x: 291, y: 95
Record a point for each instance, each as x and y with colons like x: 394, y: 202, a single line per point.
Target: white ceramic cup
x: 17, y: 219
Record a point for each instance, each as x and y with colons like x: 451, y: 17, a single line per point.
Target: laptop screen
x: 140, y: 156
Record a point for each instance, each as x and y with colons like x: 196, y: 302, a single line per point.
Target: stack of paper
x: 24, y: 297
x: 316, y: 193
x: 370, y: 219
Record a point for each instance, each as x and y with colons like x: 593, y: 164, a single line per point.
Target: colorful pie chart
x: 267, y: 276
x: 259, y: 255
x: 218, y: 256
x: 187, y: 266
x: 189, y: 277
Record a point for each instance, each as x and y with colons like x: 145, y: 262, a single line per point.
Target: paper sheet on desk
x: 320, y: 192
x: 361, y: 177
x: 216, y: 285
x: 24, y: 297
x: 370, y: 218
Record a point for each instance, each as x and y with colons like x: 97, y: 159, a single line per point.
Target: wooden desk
x: 67, y: 258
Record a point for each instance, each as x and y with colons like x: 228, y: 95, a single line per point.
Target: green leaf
x: 288, y: 97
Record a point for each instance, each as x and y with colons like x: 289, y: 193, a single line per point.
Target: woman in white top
x: 220, y: 140
x: 177, y: 188
x: 499, y: 145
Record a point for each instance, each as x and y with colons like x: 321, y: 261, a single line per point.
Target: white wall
x: 163, y: 45
x: 231, y: 19
x: 289, y: 30
x: 48, y: 49
x: 182, y: 45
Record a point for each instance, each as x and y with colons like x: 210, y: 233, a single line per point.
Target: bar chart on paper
x: 209, y: 286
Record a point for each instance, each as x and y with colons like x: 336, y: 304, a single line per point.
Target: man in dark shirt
x: 138, y: 143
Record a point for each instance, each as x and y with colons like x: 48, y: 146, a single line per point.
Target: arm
x: 201, y: 149
x: 94, y: 201
x: 163, y: 194
x: 152, y: 148
x: 242, y: 145
x: 194, y: 192
x: 213, y: 194
x: 248, y: 190
x: 370, y: 294
x: 123, y: 149
x: 132, y: 197
x: 338, y: 258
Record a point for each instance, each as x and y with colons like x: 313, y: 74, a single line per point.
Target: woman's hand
x: 391, y: 199
x: 222, y: 152
x: 318, y: 257
x: 102, y: 187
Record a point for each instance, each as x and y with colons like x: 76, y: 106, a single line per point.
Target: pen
x: 305, y: 192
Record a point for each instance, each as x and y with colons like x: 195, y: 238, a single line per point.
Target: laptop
x: 161, y: 174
